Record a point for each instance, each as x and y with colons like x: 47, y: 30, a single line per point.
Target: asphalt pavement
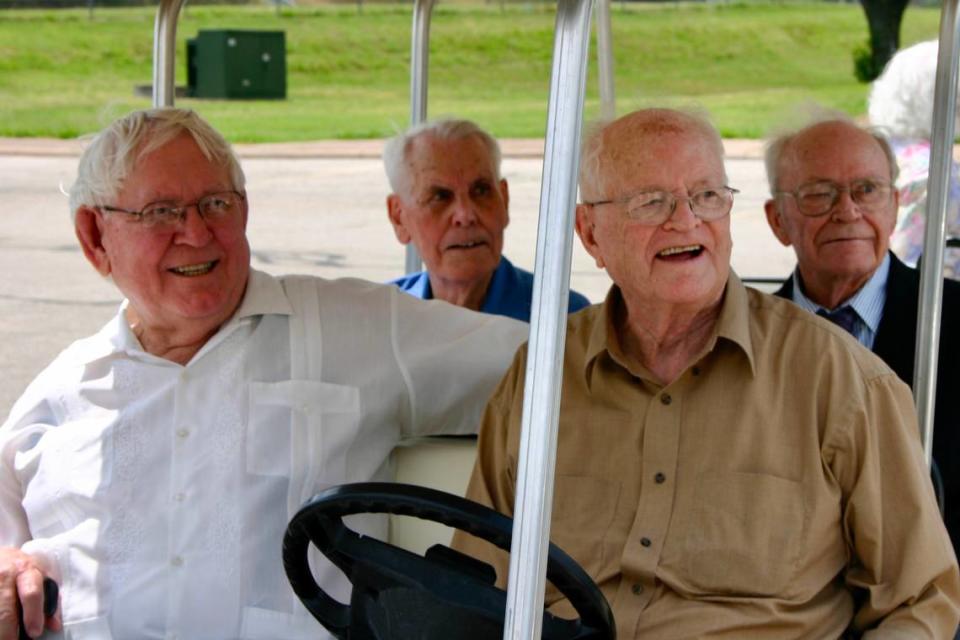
x: 316, y: 208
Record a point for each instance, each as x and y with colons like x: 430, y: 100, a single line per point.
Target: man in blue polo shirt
x: 449, y: 200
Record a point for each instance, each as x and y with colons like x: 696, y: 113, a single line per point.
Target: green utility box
x: 236, y: 63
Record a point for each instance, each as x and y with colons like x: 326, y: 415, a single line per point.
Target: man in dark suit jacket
x: 835, y: 203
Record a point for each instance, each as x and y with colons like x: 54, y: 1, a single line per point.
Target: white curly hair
x: 901, y: 99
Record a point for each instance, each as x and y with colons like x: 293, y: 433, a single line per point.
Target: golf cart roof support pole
x: 608, y: 100
x: 931, y: 277
x: 548, y: 323
x: 164, y: 52
x: 419, y: 74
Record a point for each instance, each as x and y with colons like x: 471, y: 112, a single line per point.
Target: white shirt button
x: 180, y: 497
x: 176, y: 561
x: 183, y: 433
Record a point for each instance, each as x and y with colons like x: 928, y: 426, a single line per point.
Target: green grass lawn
x: 63, y: 73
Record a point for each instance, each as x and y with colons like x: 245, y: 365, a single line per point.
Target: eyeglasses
x: 656, y: 207
x: 163, y: 215
x: 818, y: 198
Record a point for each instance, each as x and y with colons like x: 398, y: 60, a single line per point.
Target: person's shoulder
x: 410, y: 282
x: 787, y: 330
x: 523, y: 280
x: 63, y: 376
x: 578, y: 301
x: 347, y: 294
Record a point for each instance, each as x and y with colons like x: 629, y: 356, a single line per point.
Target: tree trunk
x: 883, y: 19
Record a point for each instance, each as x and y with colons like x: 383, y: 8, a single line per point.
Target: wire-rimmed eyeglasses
x: 212, y: 207
x: 819, y: 197
x: 656, y: 207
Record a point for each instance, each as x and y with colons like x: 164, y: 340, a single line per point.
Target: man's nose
x: 193, y: 228
x: 683, y: 217
x: 845, y: 209
x: 464, y: 212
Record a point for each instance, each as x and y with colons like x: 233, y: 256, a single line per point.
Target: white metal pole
x: 419, y: 76
x: 938, y: 185
x: 551, y: 288
x: 608, y: 106
x: 164, y: 52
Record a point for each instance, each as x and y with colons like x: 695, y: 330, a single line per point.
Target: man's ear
x: 776, y: 222
x: 88, y: 226
x: 395, y: 213
x: 585, y: 229
x: 505, y: 194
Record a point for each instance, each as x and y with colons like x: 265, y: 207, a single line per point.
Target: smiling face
x: 839, y: 251
x: 454, y: 210
x: 683, y: 263
x: 190, y: 277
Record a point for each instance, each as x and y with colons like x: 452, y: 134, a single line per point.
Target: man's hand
x: 21, y: 584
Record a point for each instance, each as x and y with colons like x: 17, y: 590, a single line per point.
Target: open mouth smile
x: 193, y: 270
x: 686, y: 252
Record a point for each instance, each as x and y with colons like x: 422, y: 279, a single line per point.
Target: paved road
x: 316, y: 208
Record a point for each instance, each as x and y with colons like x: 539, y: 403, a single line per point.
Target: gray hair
x: 778, y: 144
x: 114, y: 152
x: 660, y: 121
x: 397, y: 149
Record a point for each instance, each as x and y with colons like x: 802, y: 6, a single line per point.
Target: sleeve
x: 28, y: 419
x: 493, y: 482
x: 450, y: 359
x: 902, y: 568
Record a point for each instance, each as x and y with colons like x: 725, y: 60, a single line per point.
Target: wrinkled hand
x: 21, y: 581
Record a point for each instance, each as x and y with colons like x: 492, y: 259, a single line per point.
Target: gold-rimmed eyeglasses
x: 819, y: 197
x: 162, y: 215
x: 656, y: 207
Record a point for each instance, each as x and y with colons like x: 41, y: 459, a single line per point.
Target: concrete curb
x: 511, y: 147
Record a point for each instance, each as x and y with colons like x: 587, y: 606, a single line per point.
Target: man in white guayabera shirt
x: 151, y: 469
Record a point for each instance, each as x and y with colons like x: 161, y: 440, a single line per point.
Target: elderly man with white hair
x: 152, y: 468
x: 449, y: 200
x: 728, y: 465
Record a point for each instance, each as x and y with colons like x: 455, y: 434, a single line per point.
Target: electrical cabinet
x: 237, y: 63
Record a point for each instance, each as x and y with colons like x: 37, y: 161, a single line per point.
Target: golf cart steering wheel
x: 398, y: 594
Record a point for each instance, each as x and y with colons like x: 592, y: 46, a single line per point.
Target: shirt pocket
x: 584, y: 508
x: 296, y: 419
x: 746, y: 534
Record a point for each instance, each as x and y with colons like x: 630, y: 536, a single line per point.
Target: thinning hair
x: 396, y: 151
x: 113, y: 153
x: 780, y: 142
x: 655, y: 121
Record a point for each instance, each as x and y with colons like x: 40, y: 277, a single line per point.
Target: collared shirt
x: 776, y: 489
x: 867, y: 302
x: 160, y: 493
x: 510, y: 292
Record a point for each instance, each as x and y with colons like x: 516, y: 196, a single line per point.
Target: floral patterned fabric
x: 913, y: 157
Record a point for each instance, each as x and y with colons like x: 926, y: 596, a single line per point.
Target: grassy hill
x: 64, y: 73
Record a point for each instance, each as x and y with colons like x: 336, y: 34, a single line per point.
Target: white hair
x: 901, y: 99
x: 114, y: 152
x: 396, y: 150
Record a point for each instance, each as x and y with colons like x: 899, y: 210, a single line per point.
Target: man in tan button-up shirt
x: 729, y: 466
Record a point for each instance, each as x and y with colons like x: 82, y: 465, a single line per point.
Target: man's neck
x: 176, y: 344
x: 830, y: 293
x: 667, y: 341
x: 469, y: 294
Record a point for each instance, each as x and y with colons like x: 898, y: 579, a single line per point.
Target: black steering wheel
x: 442, y: 594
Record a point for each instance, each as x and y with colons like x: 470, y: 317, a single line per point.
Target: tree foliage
x: 883, y: 19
